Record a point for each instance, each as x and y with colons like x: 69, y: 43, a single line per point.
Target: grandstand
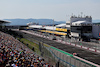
x: 3, y: 21
x: 15, y: 54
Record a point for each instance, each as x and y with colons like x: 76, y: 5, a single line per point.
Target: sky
x: 59, y: 10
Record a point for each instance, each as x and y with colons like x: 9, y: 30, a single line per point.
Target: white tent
x: 61, y: 25
x: 50, y: 27
x: 35, y: 26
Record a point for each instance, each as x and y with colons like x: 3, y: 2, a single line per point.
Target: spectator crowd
x: 15, y: 54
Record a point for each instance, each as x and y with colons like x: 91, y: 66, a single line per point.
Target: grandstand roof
x: 4, y: 21
x: 61, y: 25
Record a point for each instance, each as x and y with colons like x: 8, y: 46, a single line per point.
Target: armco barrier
x: 90, y: 64
x: 60, y: 58
x: 80, y: 59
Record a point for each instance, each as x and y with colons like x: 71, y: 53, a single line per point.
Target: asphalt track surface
x: 85, y: 44
x: 85, y: 54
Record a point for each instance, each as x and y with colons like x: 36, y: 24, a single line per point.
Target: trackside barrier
x: 60, y: 58
x: 82, y: 60
x: 85, y: 61
x: 77, y: 58
x: 48, y: 47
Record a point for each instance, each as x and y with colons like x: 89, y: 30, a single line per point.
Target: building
x: 75, y: 18
x: 81, y: 28
x: 96, y: 31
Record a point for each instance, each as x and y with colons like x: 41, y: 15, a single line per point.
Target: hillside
x: 40, y: 21
x: 96, y: 21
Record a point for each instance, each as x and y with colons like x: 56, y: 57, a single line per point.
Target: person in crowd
x: 15, y: 54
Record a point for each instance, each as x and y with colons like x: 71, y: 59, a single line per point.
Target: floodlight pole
x: 53, y: 26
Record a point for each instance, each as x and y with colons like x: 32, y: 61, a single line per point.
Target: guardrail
x: 60, y: 58
x: 75, y: 57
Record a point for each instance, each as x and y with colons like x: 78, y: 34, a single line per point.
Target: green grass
x: 31, y: 45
